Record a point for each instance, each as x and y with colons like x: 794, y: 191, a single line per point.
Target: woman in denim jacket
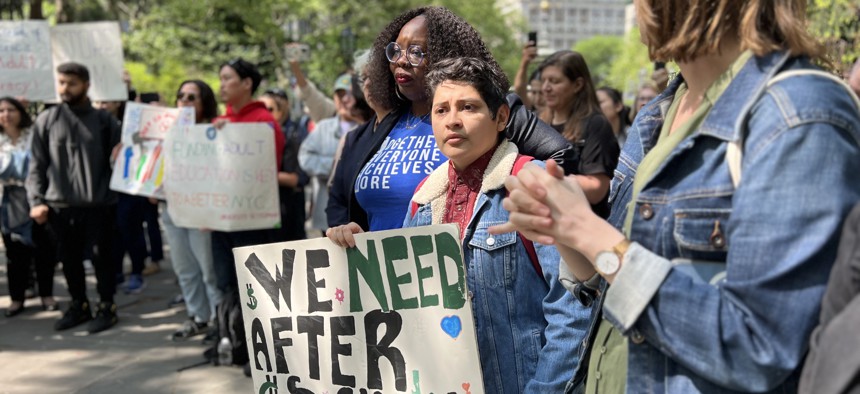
x: 721, y: 285
x: 526, y: 321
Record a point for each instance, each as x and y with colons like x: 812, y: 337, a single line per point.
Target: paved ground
x: 136, y: 356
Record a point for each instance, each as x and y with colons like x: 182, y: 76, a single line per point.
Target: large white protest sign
x: 96, y: 45
x: 139, y: 167
x: 224, y: 179
x: 390, y: 315
x: 25, y: 60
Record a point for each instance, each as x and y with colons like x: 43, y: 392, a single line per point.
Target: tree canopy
x: 166, y: 41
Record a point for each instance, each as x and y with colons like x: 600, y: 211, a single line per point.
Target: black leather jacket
x: 532, y: 136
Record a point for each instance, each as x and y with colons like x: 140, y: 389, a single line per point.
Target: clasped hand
x: 545, y: 206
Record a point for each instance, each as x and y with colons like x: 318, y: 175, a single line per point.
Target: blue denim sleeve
x: 750, y: 331
x: 567, y: 325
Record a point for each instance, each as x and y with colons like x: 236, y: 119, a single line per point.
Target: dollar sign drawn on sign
x: 252, y: 300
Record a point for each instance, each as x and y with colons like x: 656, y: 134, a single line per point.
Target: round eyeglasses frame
x: 414, y: 54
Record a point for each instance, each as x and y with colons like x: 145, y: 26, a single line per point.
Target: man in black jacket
x: 68, y: 187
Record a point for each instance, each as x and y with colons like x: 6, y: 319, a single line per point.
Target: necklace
x: 413, y: 121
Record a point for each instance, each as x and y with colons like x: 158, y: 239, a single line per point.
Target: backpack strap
x: 734, y: 151
x: 413, y: 206
x: 529, y: 245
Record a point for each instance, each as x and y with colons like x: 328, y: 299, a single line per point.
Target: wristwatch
x: 608, y: 262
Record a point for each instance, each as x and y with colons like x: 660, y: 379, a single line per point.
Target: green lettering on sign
x: 422, y: 245
x: 395, y: 248
x: 369, y: 268
x: 453, y: 294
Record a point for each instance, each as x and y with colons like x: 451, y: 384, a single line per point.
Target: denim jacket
x: 527, y: 325
x: 722, y: 286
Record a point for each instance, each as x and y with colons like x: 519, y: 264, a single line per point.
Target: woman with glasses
x: 381, y: 166
x: 191, y: 248
x: 291, y: 178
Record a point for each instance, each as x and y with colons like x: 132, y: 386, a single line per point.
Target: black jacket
x: 532, y: 136
x: 70, y: 164
x: 833, y: 362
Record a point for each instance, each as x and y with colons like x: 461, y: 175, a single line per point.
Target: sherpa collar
x: 436, y: 184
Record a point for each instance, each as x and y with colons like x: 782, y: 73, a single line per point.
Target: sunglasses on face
x: 185, y: 96
x: 414, y: 54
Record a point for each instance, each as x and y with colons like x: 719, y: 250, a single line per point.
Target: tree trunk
x: 36, y: 9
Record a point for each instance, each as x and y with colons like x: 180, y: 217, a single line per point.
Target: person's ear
x: 502, y: 116
x: 578, y: 84
x: 248, y: 83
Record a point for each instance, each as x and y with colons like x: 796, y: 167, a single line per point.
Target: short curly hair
x: 448, y: 36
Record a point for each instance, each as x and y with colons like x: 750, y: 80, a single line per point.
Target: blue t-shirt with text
x: 385, y: 185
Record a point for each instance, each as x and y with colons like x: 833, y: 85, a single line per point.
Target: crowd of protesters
x: 683, y: 243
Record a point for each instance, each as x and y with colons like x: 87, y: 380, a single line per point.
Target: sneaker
x: 150, y: 269
x: 105, y: 318
x: 135, y: 284
x: 78, y: 313
x: 190, y: 329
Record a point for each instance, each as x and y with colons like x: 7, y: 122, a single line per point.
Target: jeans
x: 153, y: 232
x: 129, y: 218
x: 77, y: 228
x: 191, y: 255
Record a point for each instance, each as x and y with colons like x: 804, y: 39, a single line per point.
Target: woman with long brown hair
x: 572, y: 109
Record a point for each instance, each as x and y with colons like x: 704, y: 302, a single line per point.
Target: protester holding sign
x: 239, y: 80
x: 26, y: 243
x: 381, y: 165
x: 529, y: 326
x: 67, y: 187
x: 191, y: 248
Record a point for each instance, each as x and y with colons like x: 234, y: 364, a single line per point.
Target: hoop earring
x: 397, y: 93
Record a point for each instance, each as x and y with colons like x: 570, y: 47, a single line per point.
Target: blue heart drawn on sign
x: 452, y: 326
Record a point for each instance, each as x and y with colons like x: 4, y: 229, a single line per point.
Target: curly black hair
x: 448, y: 36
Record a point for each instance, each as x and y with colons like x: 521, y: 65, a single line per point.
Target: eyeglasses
x: 186, y: 96
x: 414, y: 54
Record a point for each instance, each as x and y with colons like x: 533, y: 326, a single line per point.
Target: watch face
x: 607, y: 263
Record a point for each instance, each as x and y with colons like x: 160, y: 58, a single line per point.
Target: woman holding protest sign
x: 381, y: 166
x: 529, y: 325
x: 190, y: 248
x: 26, y: 242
